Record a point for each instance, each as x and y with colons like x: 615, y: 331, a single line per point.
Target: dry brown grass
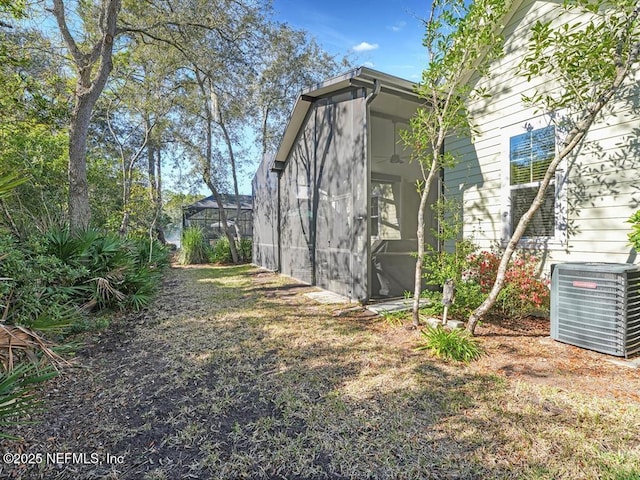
x: 234, y: 374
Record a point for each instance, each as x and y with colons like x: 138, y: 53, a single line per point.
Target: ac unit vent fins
x: 597, y: 306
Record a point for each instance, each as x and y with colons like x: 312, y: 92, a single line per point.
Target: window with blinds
x: 530, y: 154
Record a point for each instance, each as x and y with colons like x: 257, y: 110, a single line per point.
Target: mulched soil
x: 523, y: 349
x: 128, y: 377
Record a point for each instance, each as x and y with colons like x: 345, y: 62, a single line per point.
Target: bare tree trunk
x: 234, y: 174
x: 88, y: 90
x: 424, y: 196
x: 206, y: 173
x: 154, y: 169
x: 127, y: 165
x: 158, y: 226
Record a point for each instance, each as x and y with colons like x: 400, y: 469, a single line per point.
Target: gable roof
x: 358, y: 77
x: 228, y: 202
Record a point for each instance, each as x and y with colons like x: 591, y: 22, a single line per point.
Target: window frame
x: 559, y: 184
x: 375, y: 219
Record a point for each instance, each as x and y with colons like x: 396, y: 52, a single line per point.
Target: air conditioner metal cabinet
x: 597, y: 306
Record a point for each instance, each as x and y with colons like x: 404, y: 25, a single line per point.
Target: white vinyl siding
x: 599, y: 183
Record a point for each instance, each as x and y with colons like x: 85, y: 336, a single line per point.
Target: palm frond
x: 9, y: 182
x: 17, y: 396
x: 16, y: 341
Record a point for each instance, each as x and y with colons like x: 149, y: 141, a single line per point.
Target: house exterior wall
x: 595, y: 191
x: 323, y: 198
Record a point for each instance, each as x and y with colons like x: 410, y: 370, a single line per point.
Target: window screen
x: 530, y: 154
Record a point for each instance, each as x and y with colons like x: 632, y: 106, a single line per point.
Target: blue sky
x: 385, y: 35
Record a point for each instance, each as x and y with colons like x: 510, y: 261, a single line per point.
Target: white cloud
x: 369, y: 64
x: 365, y: 47
x: 396, y: 27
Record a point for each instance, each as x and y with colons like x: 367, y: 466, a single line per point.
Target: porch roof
x: 359, y: 77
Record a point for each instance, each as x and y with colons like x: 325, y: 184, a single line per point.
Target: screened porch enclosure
x: 347, y: 198
x: 206, y: 215
x: 394, y: 202
x: 323, y: 199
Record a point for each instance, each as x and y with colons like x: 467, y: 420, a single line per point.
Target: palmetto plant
x: 119, y: 273
x: 20, y: 343
x: 17, y: 393
x: 9, y: 182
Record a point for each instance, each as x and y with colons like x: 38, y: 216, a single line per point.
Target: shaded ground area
x: 234, y: 374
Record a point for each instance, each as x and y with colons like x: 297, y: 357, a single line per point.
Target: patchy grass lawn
x: 234, y: 374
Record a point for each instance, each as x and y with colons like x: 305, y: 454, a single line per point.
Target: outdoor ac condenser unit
x: 597, y: 306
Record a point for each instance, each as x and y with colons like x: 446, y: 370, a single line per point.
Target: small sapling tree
x: 460, y: 37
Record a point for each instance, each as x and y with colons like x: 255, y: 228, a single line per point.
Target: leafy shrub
x: 47, y: 278
x: 454, y: 344
x: 523, y: 292
x: 194, y: 248
x: 150, y: 252
x: 634, y: 235
x: 246, y: 249
x: 221, y: 251
x: 441, y: 266
x: 395, y: 319
x: 37, y: 289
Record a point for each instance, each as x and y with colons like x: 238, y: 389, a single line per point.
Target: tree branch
x: 59, y: 14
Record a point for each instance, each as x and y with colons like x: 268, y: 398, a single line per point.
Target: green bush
x: 221, y: 251
x: 441, y: 266
x: 194, y: 248
x: 524, y: 291
x: 38, y: 289
x: 246, y: 249
x: 454, y: 344
x: 634, y: 235
x: 47, y: 278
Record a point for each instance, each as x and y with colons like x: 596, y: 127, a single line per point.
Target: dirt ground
x: 523, y: 349
x: 224, y: 377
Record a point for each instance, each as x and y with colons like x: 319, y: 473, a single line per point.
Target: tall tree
x: 291, y: 62
x: 218, y: 55
x: 590, y: 62
x: 137, y: 103
x: 459, y: 35
x: 14, y: 8
x: 93, y: 63
x: 32, y: 127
